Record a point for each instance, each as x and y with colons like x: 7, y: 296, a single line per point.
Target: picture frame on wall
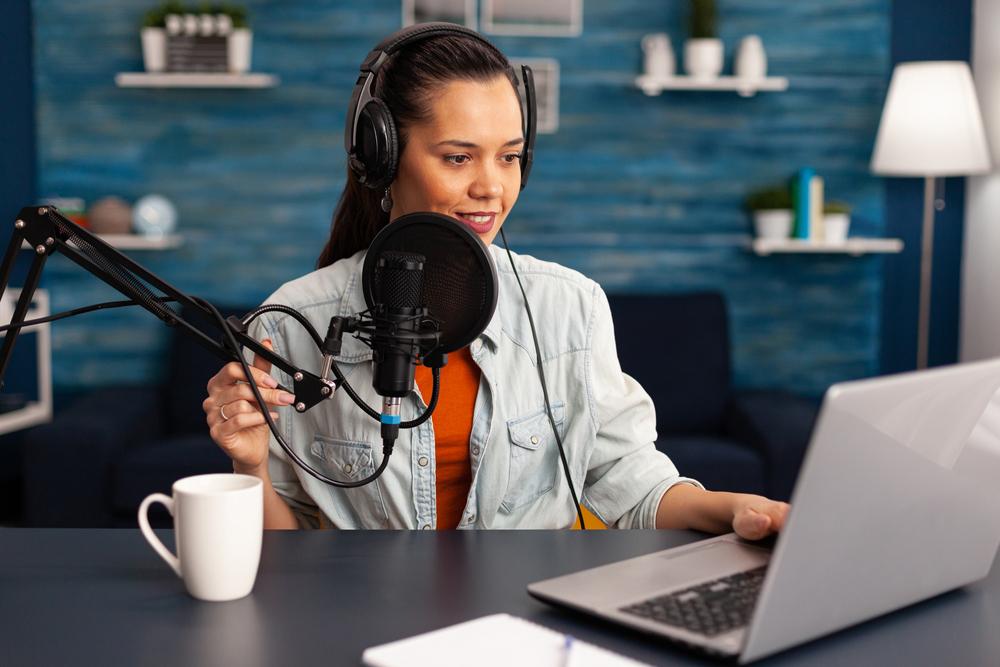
x: 546, y: 75
x: 462, y: 12
x: 551, y: 18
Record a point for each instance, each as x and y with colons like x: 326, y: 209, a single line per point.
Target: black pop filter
x: 460, y: 280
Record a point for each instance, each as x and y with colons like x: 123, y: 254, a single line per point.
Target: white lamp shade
x: 931, y: 124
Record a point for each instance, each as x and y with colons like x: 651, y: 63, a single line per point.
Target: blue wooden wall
x: 641, y: 193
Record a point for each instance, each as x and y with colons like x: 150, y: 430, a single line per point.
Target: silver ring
x: 222, y: 411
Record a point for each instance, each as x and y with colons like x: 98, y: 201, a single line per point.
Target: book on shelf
x: 800, y: 201
x: 817, y: 233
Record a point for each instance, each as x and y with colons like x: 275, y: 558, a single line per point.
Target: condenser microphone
x: 397, y: 317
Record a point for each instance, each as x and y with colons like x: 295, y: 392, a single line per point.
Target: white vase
x: 658, y: 55
x: 750, y: 61
x: 239, y: 45
x: 154, y: 49
x: 773, y: 223
x: 835, y: 227
x: 703, y: 58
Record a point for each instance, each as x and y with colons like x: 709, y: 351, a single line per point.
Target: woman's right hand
x: 235, y: 421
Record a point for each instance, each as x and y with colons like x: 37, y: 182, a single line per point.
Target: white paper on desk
x: 500, y: 640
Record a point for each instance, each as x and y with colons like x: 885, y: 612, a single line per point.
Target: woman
x: 487, y: 458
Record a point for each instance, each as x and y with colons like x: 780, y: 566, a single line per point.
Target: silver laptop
x: 897, y: 501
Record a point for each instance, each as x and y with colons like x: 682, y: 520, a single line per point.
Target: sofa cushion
x: 677, y: 347
x: 156, y: 465
x: 719, y: 464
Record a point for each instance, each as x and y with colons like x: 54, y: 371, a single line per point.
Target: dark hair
x: 406, y: 83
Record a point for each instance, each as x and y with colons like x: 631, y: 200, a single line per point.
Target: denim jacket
x: 605, y: 419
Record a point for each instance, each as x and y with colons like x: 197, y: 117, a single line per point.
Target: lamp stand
x: 926, y: 261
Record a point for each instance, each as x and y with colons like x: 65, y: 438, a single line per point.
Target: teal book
x: 800, y: 200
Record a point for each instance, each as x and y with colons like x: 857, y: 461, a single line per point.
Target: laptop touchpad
x: 711, y: 560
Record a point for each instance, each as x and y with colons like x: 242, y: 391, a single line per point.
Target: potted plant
x: 154, y: 37
x: 836, y: 221
x: 240, y: 41
x: 703, y: 52
x: 771, y: 209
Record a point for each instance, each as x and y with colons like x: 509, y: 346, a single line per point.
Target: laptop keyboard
x: 710, y: 609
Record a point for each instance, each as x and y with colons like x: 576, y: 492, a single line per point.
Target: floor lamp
x: 931, y: 127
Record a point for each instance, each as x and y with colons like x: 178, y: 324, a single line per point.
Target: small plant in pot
x: 154, y: 36
x: 184, y: 37
x: 771, y: 209
x: 240, y: 42
x: 703, y: 52
x: 836, y: 221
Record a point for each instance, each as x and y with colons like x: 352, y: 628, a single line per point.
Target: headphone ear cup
x: 378, y: 146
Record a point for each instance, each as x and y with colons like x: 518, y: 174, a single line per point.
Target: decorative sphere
x: 110, y: 215
x: 154, y: 215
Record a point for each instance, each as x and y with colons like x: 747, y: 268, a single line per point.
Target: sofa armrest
x: 67, y: 462
x: 778, y: 424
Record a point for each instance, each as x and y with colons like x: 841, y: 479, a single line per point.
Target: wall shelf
x: 136, y: 241
x: 654, y: 85
x: 853, y: 246
x: 194, y: 80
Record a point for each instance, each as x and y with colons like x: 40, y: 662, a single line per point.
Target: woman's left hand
x: 756, y: 517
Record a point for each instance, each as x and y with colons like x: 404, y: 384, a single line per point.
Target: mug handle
x: 150, y: 536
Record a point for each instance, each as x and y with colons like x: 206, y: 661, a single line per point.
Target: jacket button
x: 534, y: 439
x: 348, y: 468
x: 475, y: 450
x: 422, y: 461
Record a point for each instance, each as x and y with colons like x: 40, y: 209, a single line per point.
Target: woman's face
x: 464, y: 160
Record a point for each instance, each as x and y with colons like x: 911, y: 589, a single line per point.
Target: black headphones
x: 370, y: 136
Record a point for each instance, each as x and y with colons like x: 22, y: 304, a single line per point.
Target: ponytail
x: 356, y: 221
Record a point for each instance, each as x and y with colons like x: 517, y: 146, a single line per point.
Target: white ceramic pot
x: 239, y: 45
x: 703, y: 58
x: 658, y: 55
x: 750, y: 61
x: 773, y: 223
x: 835, y: 227
x: 154, y: 49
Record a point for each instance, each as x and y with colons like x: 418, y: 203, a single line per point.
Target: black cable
x: 79, y: 311
x: 277, y: 307
x: 231, y: 339
x: 545, y: 391
x: 341, y: 379
x: 360, y: 402
x: 386, y: 451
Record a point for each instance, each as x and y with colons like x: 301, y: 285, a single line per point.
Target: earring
x: 387, y: 201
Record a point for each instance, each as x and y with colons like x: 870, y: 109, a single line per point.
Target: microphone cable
x: 234, y: 345
x: 79, y: 311
x: 231, y: 339
x: 545, y: 391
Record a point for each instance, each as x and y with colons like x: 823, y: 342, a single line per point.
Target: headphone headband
x: 375, y: 164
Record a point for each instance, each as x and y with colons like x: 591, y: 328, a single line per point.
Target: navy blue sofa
x: 103, y: 454
x: 677, y: 347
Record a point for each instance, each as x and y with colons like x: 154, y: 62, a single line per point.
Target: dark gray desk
x: 103, y: 597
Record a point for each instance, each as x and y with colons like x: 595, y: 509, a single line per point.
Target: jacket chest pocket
x: 350, y: 461
x: 534, y: 456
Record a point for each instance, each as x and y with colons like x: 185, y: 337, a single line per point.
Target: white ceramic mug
x: 218, y: 524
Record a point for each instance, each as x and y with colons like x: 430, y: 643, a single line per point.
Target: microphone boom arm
x: 48, y: 231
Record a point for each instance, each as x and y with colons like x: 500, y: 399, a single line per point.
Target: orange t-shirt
x: 452, y: 420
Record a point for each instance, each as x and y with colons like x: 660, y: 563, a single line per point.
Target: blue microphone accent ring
x: 390, y: 419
